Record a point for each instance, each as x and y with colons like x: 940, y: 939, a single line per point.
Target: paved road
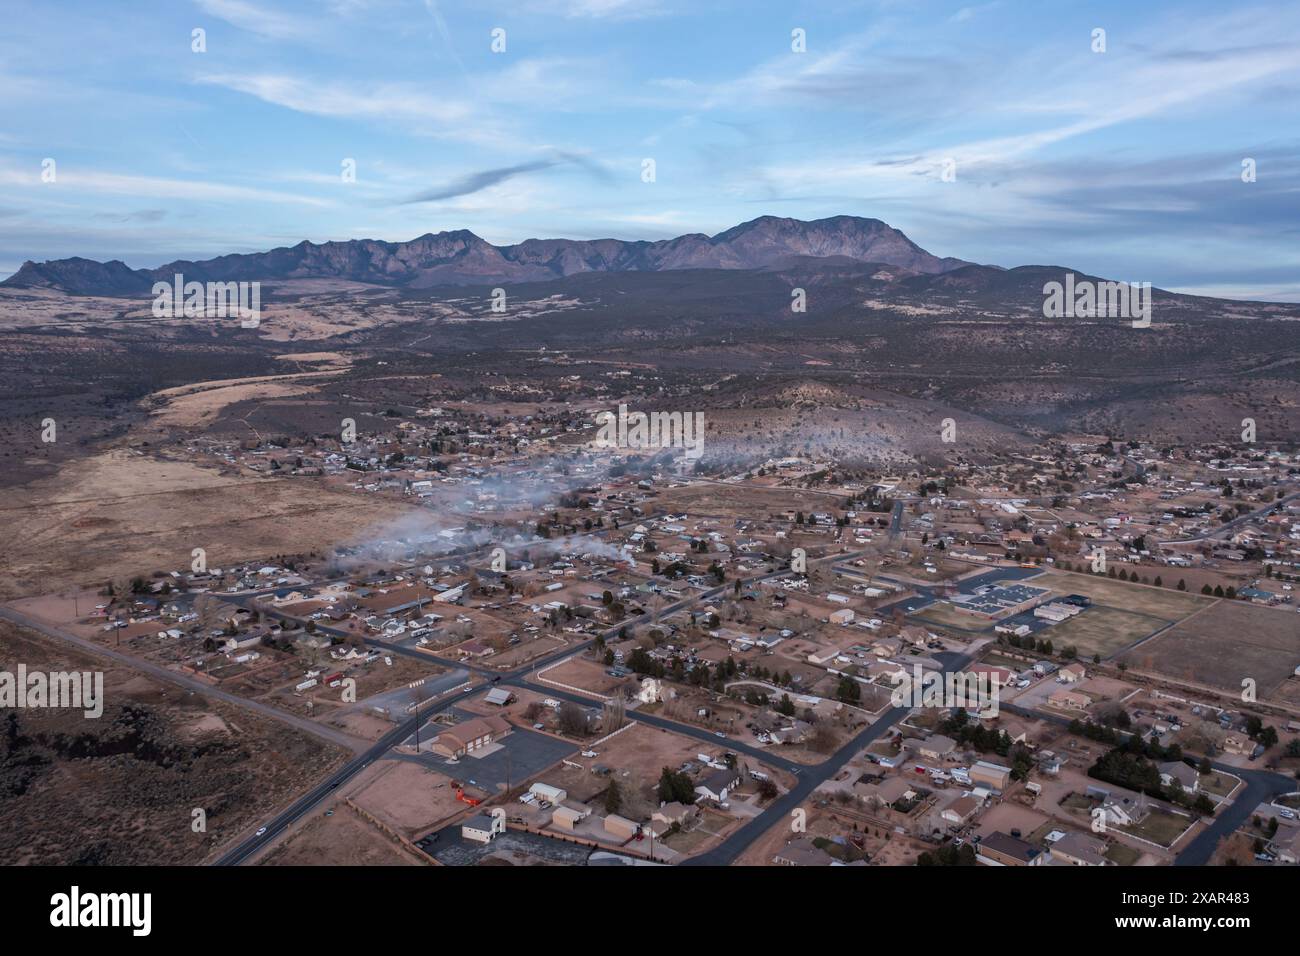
x: 518, y: 678
x: 189, y: 683
x: 304, y: 804
x: 896, y: 520
x: 1260, y: 786
x: 1235, y: 522
x: 810, y: 778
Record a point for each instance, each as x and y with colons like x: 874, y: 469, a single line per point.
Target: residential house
x: 1079, y: 849
x: 959, y: 812
x: 1002, y: 849
x: 1286, y: 844
x: 717, y: 785
x: 802, y: 852
x: 1176, y: 770
x: 936, y: 747
x: 1239, y: 744
x: 674, y: 812
x: 887, y: 792
x: 1069, y: 700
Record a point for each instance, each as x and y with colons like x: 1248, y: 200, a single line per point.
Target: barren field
x: 943, y: 614
x: 719, y: 499
x: 584, y: 674
x: 123, y: 512
x: 1226, y: 644
x: 344, y: 839
x: 408, y: 797
x: 199, y: 405
x: 121, y: 789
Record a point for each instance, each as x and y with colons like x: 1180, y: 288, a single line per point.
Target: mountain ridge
x: 459, y: 257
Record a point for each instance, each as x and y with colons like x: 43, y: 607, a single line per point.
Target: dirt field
x: 1225, y: 644
x: 894, y: 850
x: 727, y: 501
x: 200, y: 404
x: 121, y: 789
x: 409, y: 798
x: 373, y: 678
x: 584, y: 674
x: 344, y: 839
x: 123, y: 512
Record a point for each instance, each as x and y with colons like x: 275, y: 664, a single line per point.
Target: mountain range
x: 460, y: 257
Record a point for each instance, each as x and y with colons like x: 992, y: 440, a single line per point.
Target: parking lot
x: 511, y: 759
x: 451, y: 849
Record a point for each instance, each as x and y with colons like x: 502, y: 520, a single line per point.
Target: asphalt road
x: 1260, y: 786
x: 189, y: 683
x: 518, y: 678
x: 304, y: 804
x: 810, y: 778
x: 1236, y: 522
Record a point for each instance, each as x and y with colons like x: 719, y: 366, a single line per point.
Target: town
x: 571, y: 653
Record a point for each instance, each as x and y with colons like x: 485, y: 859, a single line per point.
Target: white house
x: 717, y: 785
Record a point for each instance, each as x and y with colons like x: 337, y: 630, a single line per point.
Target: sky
x: 995, y: 132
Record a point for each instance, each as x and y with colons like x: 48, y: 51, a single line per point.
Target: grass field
x: 1163, y: 603
x: 1122, y: 855
x: 1121, y: 613
x: 1218, y: 784
x: 1226, y: 644
x: 1102, y: 630
x: 1160, y: 826
x: 943, y: 614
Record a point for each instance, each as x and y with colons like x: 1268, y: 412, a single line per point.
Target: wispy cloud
x: 73, y: 178
x: 391, y: 101
x: 260, y: 18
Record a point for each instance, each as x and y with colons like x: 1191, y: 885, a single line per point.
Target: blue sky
x: 1125, y: 163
